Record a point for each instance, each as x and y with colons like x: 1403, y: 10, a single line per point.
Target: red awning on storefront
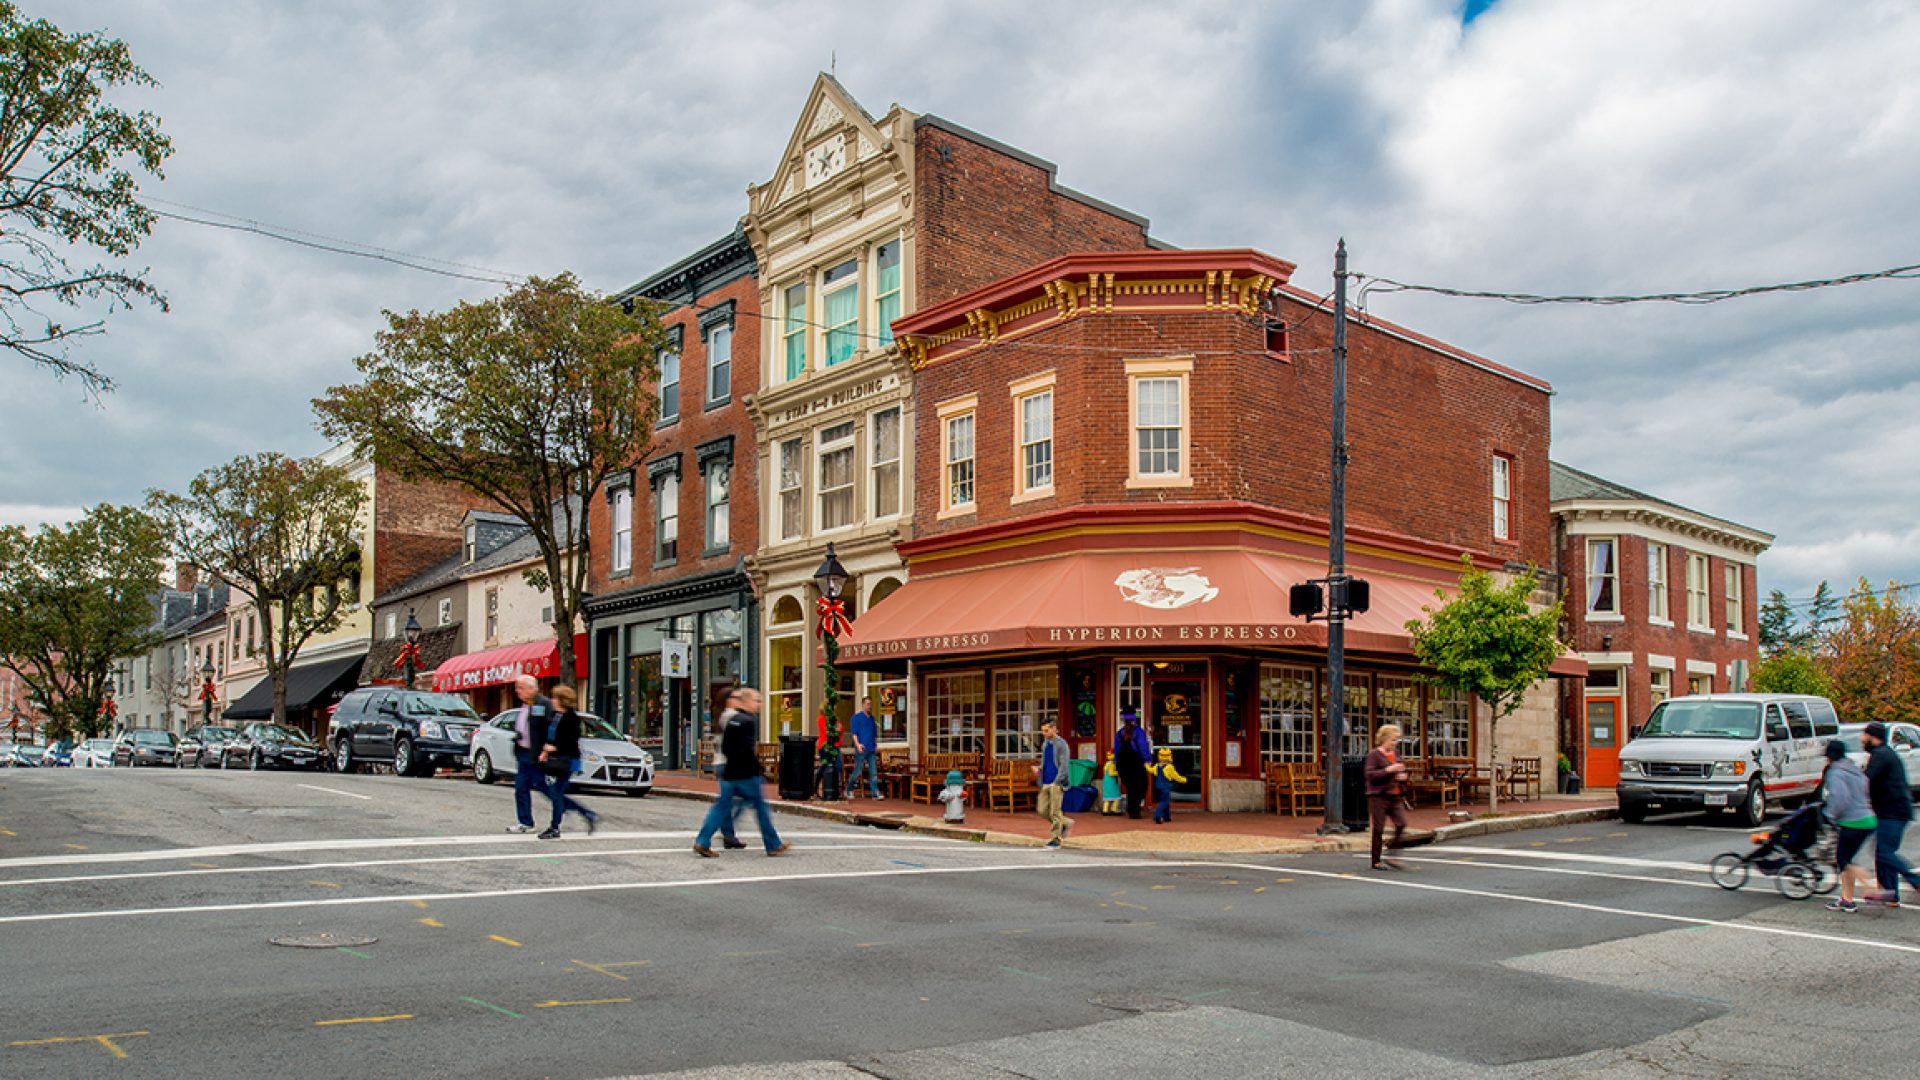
x: 1104, y: 599
x: 540, y: 659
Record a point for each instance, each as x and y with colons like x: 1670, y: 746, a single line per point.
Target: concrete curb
x: 1348, y: 842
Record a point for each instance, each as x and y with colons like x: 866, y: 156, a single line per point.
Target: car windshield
x: 154, y: 738
x: 34, y: 751
x: 279, y: 733
x: 439, y: 705
x: 217, y: 733
x: 592, y: 727
x: 1682, y: 719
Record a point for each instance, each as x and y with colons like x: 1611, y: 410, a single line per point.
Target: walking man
x: 1893, y: 810
x: 1131, y: 752
x: 866, y: 746
x: 529, y: 738
x: 740, y: 775
x: 1052, y: 773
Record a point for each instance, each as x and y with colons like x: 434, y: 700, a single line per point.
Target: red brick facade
x: 416, y: 524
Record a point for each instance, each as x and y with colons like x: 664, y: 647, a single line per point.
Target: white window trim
x: 615, y: 565
x: 1658, y: 662
x: 1020, y: 390
x: 871, y: 465
x: 1180, y: 367
x: 1658, y: 616
x: 1702, y: 667
x: 1617, y: 612
x: 708, y: 372
x: 871, y: 260
x: 1735, y: 596
x: 1502, y: 532
x: 778, y: 376
x: 820, y: 451
x: 945, y: 411
x: 821, y: 290
x: 778, y: 502
x: 1604, y: 617
x: 1706, y: 589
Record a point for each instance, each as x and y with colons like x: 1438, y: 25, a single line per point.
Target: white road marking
x: 332, y: 791
x: 1481, y: 864
x: 1571, y: 856
x: 1049, y: 861
x: 376, y: 843
x: 1519, y: 898
x: 545, y: 852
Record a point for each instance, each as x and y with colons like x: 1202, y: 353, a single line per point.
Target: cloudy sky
x: 1539, y: 146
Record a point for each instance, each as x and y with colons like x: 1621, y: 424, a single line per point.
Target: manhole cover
x: 1137, y: 1003
x: 322, y: 941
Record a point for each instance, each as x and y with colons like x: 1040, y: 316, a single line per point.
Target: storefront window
x: 785, y: 709
x: 1023, y: 701
x: 1355, y: 715
x: 956, y: 713
x: 1397, y: 701
x: 1288, y: 731
x: 1131, y: 692
x: 1449, y: 723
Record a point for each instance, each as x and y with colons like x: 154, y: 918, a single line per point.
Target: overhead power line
x: 410, y: 262
x: 1373, y: 284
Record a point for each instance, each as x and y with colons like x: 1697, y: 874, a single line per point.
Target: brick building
x: 866, y: 220
x: 671, y: 538
x: 1120, y: 465
x: 1662, y: 601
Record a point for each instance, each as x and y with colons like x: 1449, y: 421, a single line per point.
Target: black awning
x: 308, y: 686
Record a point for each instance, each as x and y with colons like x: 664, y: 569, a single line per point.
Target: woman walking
x: 560, y: 757
x: 1131, y: 752
x: 1847, y: 807
x: 1386, y: 792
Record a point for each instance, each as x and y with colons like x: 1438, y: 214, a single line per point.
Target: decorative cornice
x: 1670, y: 520
x: 660, y: 594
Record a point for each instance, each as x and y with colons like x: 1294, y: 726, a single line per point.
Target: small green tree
x: 530, y: 400
x: 281, y: 531
x: 67, y: 185
x: 1488, y: 641
x: 1822, y: 612
x: 74, y: 600
x: 1790, y: 673
x: 1776, y: 624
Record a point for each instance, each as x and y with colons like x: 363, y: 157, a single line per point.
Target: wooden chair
x: 1011, y: 782
x: 1424, y: 781
x: 1475, y: 782
x: 769, y: 754
x: 1306, y: 788
x: 1523, y: 776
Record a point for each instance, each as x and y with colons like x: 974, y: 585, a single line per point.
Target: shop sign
x: 676, y: 658
x: 1031, y: 637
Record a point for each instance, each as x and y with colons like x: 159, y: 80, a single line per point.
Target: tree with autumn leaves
x: 1871, y: 655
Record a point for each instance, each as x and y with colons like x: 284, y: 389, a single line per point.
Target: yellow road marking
x: 872, y: 944
x: 756, y: 952
x: 8, y: 832
x: 1123, y: 903
x: 1260, y: 889
x: 205, y: 865
x: 503, y: 940
x: 1284, y: 880
x: 421, y: 904
x: 431, y: 922
x: 325, y: 884
x: 1619, y: 834
x: 103, y: 1040
x: 78, y: 847
x: 1166, y: 886
x: 596, y: 1001
x: 1026, y: 930
x: 363, y: 1020
x: 605, y: 969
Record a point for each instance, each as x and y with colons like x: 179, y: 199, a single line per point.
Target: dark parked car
x: 265, y: 745
x: 412, y: 730
x: 202, y: 745
x: 145, y: 746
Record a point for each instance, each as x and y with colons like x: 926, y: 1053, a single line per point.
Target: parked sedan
x: 146, y: 746
x: 21, y: 755
x: 264, y: 745
x: 608, y: 759
x: 202, y: 745
x: 93, y: 754
x: 1903, y: 738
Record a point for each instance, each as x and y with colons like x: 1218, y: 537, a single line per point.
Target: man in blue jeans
x: 1893, y: 805
x: 866, y: 740
x: 740, y: 776
x: 529, y: 738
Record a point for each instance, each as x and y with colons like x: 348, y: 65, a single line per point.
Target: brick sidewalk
x: 1190, y: 829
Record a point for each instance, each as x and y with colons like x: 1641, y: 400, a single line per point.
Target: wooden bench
x: 1425, y: 781
x: 1298, y: 784
x: 933, y: 774
x: 1012, y: 782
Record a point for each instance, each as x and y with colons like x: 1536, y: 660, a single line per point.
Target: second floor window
x: 719, y: 363
x: 793, y: 332
x: 622, y: 530
x: 836, y: 476
x: 1735, y: 598
x: 886, y: 463
x: 1502, y: 497
x: 669, y: 384
x: 886, y: 288
x: 719, y: 479
x: 1036, y: 441
x: 493, y: 613
x: 840, y: 310
x: 1657, y: 583
x: 1603, y: 596
x: 792, y: 499
x: 446, y: 611
x: 959, y: 461
x: 393, y: 625
x: 666, y: 522
x: 1156, y: 425
x: 1698, y: 604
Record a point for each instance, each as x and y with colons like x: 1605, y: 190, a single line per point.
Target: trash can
x: 796, y: 766
x: 1081, y: 771
x: 1353, y: 793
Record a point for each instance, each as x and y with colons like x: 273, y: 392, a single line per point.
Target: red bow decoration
x: 409, y: 654
x: 110, y: 710
x: 833, y: 618
x: 207, y: 692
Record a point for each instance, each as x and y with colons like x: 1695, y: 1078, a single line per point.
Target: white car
x: 1903, y: 738
x: 608, y: 759
x: 94, y: 754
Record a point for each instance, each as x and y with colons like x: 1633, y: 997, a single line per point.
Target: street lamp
x: 411, y: 654
x: 831, y: 577
x: 206, y: 689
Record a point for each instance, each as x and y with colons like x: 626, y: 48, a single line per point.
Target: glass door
x: 1176, y: 702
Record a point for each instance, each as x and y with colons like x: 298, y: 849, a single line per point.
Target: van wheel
x: 1754, y: 809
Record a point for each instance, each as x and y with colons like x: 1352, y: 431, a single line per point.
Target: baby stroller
x: 1797, y: 853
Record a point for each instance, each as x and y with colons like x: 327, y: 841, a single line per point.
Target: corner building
x: 1121, y: 465
x: 865, y: 221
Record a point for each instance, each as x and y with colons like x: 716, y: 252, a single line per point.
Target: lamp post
x: 411, y: 654
x: 831, y: 577
x: 206, y: 689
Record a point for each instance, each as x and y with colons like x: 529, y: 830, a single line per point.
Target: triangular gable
x: 829, y: 108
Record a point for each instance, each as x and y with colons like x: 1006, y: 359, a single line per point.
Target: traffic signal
x: 1304, y: 601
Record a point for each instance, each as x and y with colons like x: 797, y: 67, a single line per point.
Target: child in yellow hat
x: 1164, y: 777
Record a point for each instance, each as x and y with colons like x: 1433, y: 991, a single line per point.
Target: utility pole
x: 1337, y: 559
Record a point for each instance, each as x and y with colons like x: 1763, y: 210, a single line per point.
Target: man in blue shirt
x: 1052, y: 774
x: 866, y: 756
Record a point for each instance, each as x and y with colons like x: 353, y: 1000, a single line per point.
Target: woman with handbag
x: 1386, y: 792
x: 560, y: 759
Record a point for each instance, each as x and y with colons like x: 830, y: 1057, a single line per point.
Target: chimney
x: 184, y: 577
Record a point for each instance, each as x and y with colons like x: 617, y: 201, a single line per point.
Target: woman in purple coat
x: 1131, y: 752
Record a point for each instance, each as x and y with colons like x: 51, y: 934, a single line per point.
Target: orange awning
x: 1105, y: 599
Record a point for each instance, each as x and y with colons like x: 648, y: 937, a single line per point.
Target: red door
x: 1603, y: 742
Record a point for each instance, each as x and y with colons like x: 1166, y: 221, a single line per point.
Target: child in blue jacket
x: 1164, y: 777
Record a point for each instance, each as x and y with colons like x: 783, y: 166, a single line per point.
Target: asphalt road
x: 137, y: 910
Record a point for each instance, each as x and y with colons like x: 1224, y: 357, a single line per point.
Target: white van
x: 1740, y: 752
